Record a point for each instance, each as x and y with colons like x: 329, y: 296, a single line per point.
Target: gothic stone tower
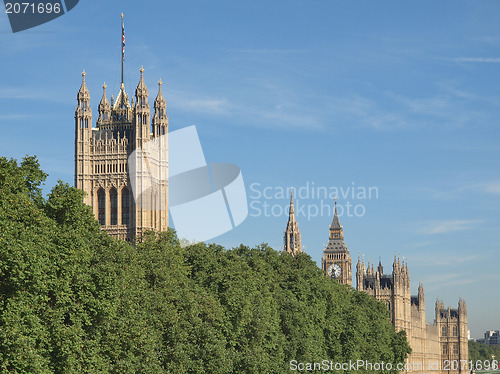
x: 336, y: 261
x: 443, y: 343
x: 393, y: 290
x: 452, y: 331
x: 102, y: 153
x: 293, y: 244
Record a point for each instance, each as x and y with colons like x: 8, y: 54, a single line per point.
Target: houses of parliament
x: 126, y: 186
x: 435, y: 347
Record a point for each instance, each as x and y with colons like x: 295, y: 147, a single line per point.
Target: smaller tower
x: 360, y: 274
x: 293, y: 243
x: 83, y: 137
x: 160, y: 118
x: 104, y: 108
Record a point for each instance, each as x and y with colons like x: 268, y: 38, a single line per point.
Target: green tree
x: 74, y: 300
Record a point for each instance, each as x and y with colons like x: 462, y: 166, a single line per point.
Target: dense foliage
x: 483, y: 353
x: 74, y: 300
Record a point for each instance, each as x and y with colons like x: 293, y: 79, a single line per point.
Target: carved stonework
x: 101, y: 156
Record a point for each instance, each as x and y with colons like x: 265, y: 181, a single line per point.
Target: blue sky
x: 400, y: 97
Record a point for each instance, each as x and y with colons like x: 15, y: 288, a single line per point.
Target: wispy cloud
x: 443, y: 260
x: 14, y: 117
x: 492, y: 187
x: 270, y: 51
x: 476, y: 59
x: 441, y: 227
x: 441, y: 281
x: 31, y: 93
x: 204, y: 105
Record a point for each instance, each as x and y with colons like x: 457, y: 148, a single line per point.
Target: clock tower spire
x: 336, y: 261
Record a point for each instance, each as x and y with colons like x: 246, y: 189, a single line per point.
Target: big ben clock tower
x: 336, y: 261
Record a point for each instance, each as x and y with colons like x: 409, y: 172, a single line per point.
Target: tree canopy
x: 74, y: 300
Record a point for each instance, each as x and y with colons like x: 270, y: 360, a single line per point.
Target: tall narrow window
x: 455, y: 330
x: 444, y: 331
x: 113, y: 200
x: 125, y: 206
x: 101, y: 206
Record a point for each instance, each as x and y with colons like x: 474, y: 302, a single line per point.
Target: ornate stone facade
x: 293, y: 243
x: 440, y: 347
x: 102, y: 153
x: 336, y: 261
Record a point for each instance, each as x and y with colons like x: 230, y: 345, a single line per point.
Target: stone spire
x: 293, y: 243
x: 335, y: 221
x: 336, y: 242
x: 160, y: 100
x: 380, y: 268
x: 83, y: 92
x: 160, y: 118
x: 104, y: 99
x: 291, y: 213
x: 83, y: 112
x: 141, y: 90
x: 104, y: 106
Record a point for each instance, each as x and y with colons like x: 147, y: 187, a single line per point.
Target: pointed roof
x: 122, y: 98
x: 291, y: 214
x: 104, y: 101
x: 83, y: 92
x: 335, y: 221
x: 159, y: 98
x: 336, y: 241
x: 141, y: 89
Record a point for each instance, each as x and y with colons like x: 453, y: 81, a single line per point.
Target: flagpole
x: 123, y: 46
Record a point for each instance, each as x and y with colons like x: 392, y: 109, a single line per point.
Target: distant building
x: 439, y: 347
x: 292, y: 240
x: 491, y: 337
x: 444, y: 342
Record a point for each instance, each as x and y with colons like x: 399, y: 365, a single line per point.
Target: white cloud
x: 447, y: 280
x: 476, y: 59
x: 201, y: 105
x: 441, y: 227
x: 443, y: 260
x: 492, y: 187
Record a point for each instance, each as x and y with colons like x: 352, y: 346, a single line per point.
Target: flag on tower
x: 123, y: 39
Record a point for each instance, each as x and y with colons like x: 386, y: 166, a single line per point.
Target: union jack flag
x: 123, y: 39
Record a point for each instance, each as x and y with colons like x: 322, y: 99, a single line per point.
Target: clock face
x: 334, y: 270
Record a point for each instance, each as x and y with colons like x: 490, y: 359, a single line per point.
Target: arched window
x: 113, y: 200
x: 444, y: 331
x: 125, y: 206
x: 455, y: 330
x: 101, y: 206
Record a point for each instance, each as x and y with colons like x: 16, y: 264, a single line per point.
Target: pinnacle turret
x: 104, y: 100
x: 141, y: 90
x: 83, y: 92
x: 160, y: 100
